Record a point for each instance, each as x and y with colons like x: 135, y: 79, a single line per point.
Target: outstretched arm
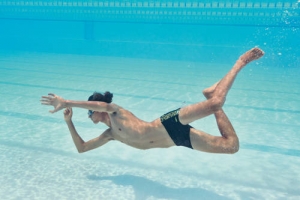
x: 80, y: 144
x: 59, y: 103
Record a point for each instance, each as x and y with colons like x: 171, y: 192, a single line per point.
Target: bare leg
x: 228, y: 143
x: 199, y: 110
x: 225, y: 84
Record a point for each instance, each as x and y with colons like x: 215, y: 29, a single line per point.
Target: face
x: 90, y: 113
x: 97, y: 117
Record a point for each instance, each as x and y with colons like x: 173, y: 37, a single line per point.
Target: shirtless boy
x: 171, y: 129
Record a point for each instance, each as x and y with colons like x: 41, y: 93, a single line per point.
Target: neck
x: 107, y: 121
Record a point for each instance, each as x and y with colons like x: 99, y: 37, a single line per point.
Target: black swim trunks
x: 179, y: 133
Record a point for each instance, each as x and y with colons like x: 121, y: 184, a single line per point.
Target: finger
x: 45, y: 100
x: 53, y: 111
x: 46, y: 97
x: 46, y: 103
x: 51, y: 94
x: 56, y: 109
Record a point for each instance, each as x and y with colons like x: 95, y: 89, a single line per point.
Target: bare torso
x: 128, y: 129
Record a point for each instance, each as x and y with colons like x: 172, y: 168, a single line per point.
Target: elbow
x: 81, y: 149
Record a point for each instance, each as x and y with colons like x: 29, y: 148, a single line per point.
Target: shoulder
x: 113, y: 108
x: 115, y: 105
x: 116, y: 109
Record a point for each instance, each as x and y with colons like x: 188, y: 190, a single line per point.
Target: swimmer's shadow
x: 145, y: 188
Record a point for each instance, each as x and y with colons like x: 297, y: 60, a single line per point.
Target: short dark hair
x: 97, y: 96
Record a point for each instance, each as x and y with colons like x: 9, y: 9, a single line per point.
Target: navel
x: 120, y: 129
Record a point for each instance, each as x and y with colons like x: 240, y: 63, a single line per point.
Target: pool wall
x: 183, y: 30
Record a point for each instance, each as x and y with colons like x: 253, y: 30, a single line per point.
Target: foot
x: 208, y: 92
x: 252, y: 54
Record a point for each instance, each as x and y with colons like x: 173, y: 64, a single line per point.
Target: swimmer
x: 171, y: 129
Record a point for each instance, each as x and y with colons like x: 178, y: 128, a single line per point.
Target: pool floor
x: 40, y: 161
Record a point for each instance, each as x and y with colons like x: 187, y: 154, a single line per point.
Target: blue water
x: 152, y: 66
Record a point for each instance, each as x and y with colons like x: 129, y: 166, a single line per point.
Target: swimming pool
x: 154, y: 60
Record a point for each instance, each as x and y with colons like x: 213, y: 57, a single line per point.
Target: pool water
x: 150, y: 68
x: 39, y: 159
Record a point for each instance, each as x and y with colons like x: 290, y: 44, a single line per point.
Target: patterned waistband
x: 169, y: 115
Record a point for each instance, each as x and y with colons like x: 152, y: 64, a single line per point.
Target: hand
x: 68, y: 114
x: 56, y: 101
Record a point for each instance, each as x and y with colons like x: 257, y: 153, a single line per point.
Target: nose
x: 91, y: 117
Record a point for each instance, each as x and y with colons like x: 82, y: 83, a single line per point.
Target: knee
x: 217, y: 103
x: 233, y: 150
x: 234, y: 146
